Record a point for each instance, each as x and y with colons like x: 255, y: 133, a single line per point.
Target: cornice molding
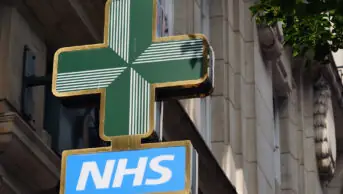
x: 23, y: 153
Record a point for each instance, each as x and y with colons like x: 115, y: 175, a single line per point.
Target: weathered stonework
x: 324, y: 129
x: 270, y: 42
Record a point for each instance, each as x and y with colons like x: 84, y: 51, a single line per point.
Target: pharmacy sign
x: 162, y: 169
x: 129, y: 69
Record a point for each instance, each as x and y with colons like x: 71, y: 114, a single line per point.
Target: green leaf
x: 308, y: 27
x: 295, y: 53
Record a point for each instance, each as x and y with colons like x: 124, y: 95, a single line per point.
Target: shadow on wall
x: 232, y: 165
x: 187, y: 48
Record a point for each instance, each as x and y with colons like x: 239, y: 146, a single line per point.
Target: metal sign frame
x: 189, y: 157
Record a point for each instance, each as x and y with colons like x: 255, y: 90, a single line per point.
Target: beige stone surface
x: 265, y: 155
x: 249, y: 144
x: 233, y: 16
x: 197, y: 17
x: 217, y: 8
x: 237, y: 160
x: 245, y: 21
x: 243, y: 127
x: 237, y: 91
x: 234, y: 48
x: 334, y: 190
x: 312, y: 185
x: 264, y: 118
x: 248, y: 69
x: 308, y: 126
x: 220, y: 72
x: 248, y: 93
x: 289, y: 140
x: 288, y: 192
x: 289, y: 172
x: 308, y: 103
x: 301, y: 180
x: 191, y: 107
x: 219, y: 112
x: 231, y: 163
x: 264, y: 86
x: 230, y: 84
x: 263, y: 186
x: 182, y: 25
x: 235, y: 129
x: 310, y: 162
x: 250, y: 177
x: 300, y: 146
x: 218, y: 36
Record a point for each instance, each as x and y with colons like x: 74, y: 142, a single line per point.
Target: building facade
x: 275, y: 123
x: 271, y: 126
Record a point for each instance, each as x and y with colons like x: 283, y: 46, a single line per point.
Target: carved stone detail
x: 277, y: 57
x: 324, y: 128
x: 270, y: 43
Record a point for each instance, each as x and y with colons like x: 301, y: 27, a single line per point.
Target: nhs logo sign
x: 148, y: 170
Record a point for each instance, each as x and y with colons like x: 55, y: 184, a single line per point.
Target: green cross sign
x: 128, y: 67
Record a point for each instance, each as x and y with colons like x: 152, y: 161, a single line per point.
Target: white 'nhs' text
x: 104, y: 181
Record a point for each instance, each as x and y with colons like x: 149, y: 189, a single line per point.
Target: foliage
x: 313, y: 28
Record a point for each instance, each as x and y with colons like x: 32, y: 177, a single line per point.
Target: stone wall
x: 310, y: 170
x: 243, y: 129
x: 15, y: 34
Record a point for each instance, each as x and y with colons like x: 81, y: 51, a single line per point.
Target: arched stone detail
x: 324, y: 129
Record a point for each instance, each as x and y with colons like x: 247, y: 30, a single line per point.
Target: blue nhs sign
x: 127, y: 172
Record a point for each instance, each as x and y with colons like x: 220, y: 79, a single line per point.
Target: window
x: 162, y: 19
x: 27, y: 102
